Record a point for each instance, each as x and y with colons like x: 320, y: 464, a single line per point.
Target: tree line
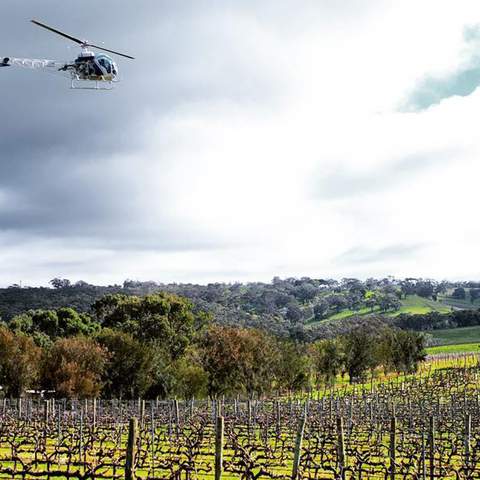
x: 285, y: 307
x: 162, y: 345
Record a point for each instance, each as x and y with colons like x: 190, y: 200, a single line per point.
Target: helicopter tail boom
x: 31, y: 63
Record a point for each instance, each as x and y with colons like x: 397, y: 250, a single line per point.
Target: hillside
x: 411, y: 304
x: 287, y: 307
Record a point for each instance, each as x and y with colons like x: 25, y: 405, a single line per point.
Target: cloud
x: 343, y: 184
x: 463, y: 81
x: 366, y: 255
x: 247, y: 140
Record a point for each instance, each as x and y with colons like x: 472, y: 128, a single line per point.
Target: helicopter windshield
x: 107, y: 64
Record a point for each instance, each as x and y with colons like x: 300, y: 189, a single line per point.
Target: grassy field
x: 456, y: 348
x: 413, y: 304
x: 350, y: 313
x: 454, y: 336
x: 459, y: 303
x: 417, y: 305
x: 456, y: 340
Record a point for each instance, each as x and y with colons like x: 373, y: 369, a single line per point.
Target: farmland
x: 412, y: 304
x: 407, y: 428
x: 353, y: 398
x: 452, y: 336
x: 454, y: 348
x: 455, y: 340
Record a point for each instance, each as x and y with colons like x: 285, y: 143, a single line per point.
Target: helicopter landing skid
x: 91, y: 85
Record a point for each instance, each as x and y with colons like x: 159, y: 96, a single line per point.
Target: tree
x: 337, y: 302
x: 63, y: 322
x: 73, y: 367
x: 398, y: 350
x: 459, y: 293
x: 22, y: 323
x: 371, y: 299
x: 60, y: 283
x: 292, y: 370
x: 360, y: 353
x: 328, y: 359
x: 238, y: 360
x: 190, y: 378
x: 305, y: 292
x: 129, y: 372
x: 409, y: 351
x: 19, y: 362
x: 320, y: 310
x: 425, y: 288
x: 294, y: 312
x: 407, y: 287
x: 168, y: 320
x: 388, y: 301
x: 474, y: 294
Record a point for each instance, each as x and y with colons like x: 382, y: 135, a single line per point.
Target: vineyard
x: 423, y: 427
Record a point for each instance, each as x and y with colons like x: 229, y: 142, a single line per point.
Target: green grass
x: 456, y: 336
x: 457, y: 348
x: 456, y: 340
x: 459, y: 303
x: 414, y: 304
x: 350, y: 313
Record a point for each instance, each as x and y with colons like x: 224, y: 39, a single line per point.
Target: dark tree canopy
x: 166, y: 319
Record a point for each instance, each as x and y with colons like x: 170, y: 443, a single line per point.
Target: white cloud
x: 242, y: 165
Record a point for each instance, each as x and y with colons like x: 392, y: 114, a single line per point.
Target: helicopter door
x: 105, y: 65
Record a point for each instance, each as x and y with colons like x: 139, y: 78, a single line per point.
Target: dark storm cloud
x: 343, y: 184
x: 48, y: 131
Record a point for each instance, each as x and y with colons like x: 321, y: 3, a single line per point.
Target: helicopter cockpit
x: 106, y: 64
x: 96, y: 67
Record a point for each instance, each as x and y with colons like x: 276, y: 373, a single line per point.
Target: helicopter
x: 90, y: 71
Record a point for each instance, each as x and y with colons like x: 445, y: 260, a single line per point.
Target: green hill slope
x: 414, y: 304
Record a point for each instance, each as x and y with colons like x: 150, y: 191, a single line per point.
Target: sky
x: 247, y: 140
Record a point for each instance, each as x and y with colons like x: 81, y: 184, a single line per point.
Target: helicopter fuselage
x: 88, y: 66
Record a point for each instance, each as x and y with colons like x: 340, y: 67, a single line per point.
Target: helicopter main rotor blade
x: 58, y: 32
x: 111, y: 51
x: 83, y: 43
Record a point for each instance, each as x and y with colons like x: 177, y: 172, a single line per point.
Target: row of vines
x: 418, y: 428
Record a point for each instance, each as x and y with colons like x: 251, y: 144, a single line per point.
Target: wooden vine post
x: 176, y: 413
x: 131, y: 450
x: 393, y: 429
x: 341, y: 448
x: 468, y: 437
x: 45, y: 411
x: 219, y: 448
x: 142, y: 412
x: 423, y: 459
x: 298, y: 448
x: 432, y: 448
